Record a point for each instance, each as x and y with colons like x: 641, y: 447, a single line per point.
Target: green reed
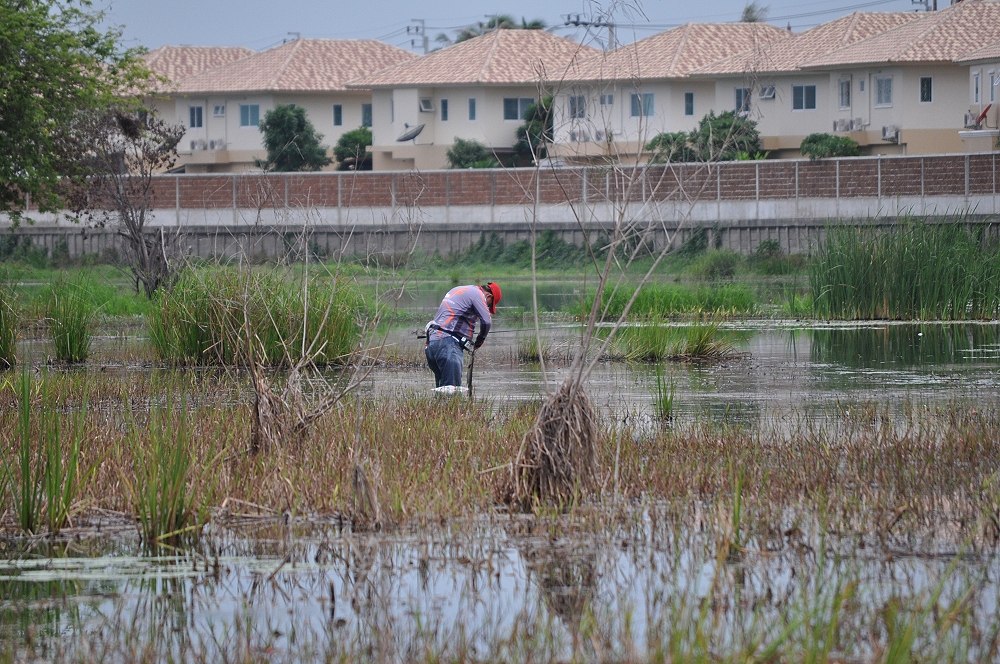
x: 664, y: 300
x: 70, y: 313
x: 663, y: 401
x: 161, y: 456
x: 44, y: 478
x: 8, y: 326
x: 216, y: 316
x: 914, y: 271
x: 656, y: 343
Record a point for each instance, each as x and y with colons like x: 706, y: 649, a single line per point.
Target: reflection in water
x: 906, y: 345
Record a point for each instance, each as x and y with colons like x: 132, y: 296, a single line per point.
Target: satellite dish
x: 411, y: 133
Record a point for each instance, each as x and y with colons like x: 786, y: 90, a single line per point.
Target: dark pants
x: 444, y: 357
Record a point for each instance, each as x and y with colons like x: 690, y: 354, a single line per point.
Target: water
x: 495, y: 586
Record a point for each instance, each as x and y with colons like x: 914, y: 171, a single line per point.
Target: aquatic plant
x: 657, y: 300
x: 913, y: 271
x: 70, y: 314
x: 656, y: 342
x: 8, y: 326
x: 218, y: 316
x: 663, y: 400
x: 44, y: 482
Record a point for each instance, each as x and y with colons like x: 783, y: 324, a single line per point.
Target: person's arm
x: 485, y: 320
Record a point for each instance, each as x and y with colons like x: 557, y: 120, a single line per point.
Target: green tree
x: 822, y: 146
x: 754, y: 12
x: 671, y: 147
x: 534, y: 136
x: 291, y: 141
x: 725, y: 137
x: 466, y: 153
x: 351, y: 150
x: 55, y: 63
x: 498, y: 22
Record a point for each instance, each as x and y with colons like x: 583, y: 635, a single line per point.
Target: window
x: 742, y: 100
x: 515, y: 108
x: 803, y: 97
x: 844, y: 92
x: 219, y: 111
x: 338, y: 115
x: 472, y: 108
x: 195, y: 117
x: 607, y: 100
x: 366, y: 115
x: 444, y: 110
x: 993, y: 86
x: 883, y: 90
x: 577, y: 107
x: 426, y: 105
x: 976, y: 94
x: 688, y: 103
x: 642, y: 104
x: 926, y: 89
x: 249, y: 115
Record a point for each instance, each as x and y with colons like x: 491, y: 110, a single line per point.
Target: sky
x: 261, y: 24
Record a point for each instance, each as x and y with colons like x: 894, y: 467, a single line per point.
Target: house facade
x: 478, y: 89
x: 982, y: 122
x: 621, y: 100
x: 221, y: 107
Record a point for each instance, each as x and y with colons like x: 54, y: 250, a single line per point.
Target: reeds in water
x: 70, y: 313
x: 44, y: 475
x: 914, y: 271
x: 8, y: 327
x: 664, y: 300
x: 663, y: 401
x: 218, y: 316
x: 656, y: 343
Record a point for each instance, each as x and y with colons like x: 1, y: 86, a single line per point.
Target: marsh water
x: 500, y: 586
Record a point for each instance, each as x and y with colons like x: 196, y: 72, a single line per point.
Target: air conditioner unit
x: 217, y: 144
x: 970, y: 121
x: 579, y: 135
x: 858, y: 124
x: 890, y: 133
x: 843, y: 124
x: 767, y: 92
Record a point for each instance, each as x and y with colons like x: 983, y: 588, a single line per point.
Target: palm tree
x: 754, y: 12
x: 495, y: 22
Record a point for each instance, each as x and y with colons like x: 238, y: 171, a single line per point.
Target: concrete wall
x: 447, y: 211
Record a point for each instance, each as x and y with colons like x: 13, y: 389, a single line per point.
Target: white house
x: 788, y: 102
x: 912, y: 90
x: 620, y: 100
x: 222, y: 107
x: 478, y: 89
x: 982, y: 122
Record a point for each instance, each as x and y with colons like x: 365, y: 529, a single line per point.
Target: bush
x: 671, y: 147
x: 352, y: 150
x: 470, y: 154
x: 211, y: 316
x: 822, y: 146
x: 725, y: 137
x: 70, y: 311
x: 291, y: 141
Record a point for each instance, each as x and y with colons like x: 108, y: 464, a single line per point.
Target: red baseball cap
x: 497, y: 295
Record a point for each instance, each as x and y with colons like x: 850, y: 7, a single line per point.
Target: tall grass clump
x: 655, y: 343
x: 159, y: 484
x: 8, y: 326
x: 664, y: 300
x: 70, y: 312
x: 215, y: 316
x: 914, y: 271
x: 43, y: 475
x: 663, y: 402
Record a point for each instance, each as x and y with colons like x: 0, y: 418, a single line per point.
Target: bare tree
x: 125, y: 148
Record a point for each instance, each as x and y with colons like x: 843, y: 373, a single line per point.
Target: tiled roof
x: 301, y: 65
x: 678, y: 52
x: 988, y: 52
x: 179, y: 62
x: 784, y: 55
x: 942, y: 36
x: 496, y: 58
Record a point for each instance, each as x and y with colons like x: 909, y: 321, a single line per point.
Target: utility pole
x: 576, y: 21
x: 418, y: 31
